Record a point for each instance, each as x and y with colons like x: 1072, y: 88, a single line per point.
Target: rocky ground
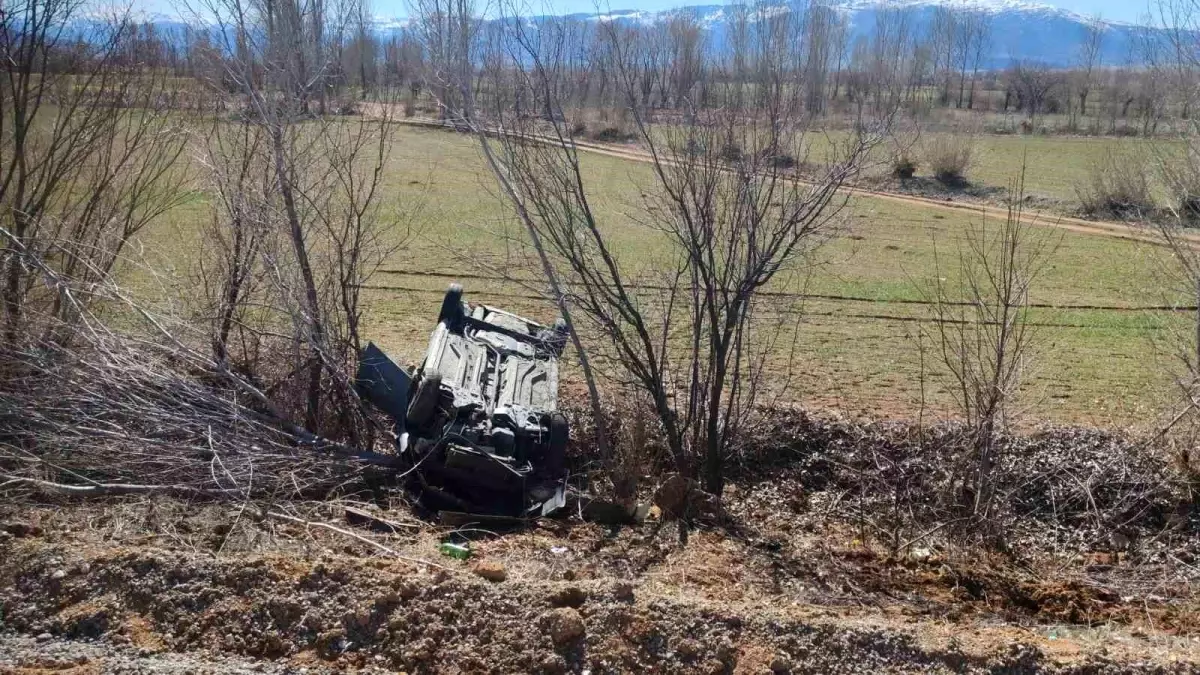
x: 836, y: 548
x: 162, y: 586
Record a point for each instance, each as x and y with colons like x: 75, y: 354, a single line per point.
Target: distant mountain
x: 1019, y: 29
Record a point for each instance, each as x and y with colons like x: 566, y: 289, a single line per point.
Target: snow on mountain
x: 1019, y: 29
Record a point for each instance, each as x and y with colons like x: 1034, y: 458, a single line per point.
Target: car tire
x: 425, y: 402
x: 556, y: 447
x: 452, y: 313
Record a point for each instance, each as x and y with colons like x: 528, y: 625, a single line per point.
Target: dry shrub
x: 612, y: 134
x: 635, y: 442
x: 117, y: 412
x: 902, y: 156
x: 637, y: 452
x: 1180, y: 174
x: 904, y: 166
x: 949, y: 156
x: 783, y: 161
x: 732, y: 151
x: 1065, y: 489
x: 1117, y: 186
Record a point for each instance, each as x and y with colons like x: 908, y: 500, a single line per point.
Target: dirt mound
x: 834, y: 549
x: 334, y: 612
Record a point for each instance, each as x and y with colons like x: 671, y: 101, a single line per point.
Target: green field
x: 1054, y: 165
x: 856, y: 351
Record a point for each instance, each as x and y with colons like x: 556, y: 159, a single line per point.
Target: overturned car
x: 477, y: 424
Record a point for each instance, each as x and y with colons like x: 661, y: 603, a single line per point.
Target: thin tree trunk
x: 316, y: 329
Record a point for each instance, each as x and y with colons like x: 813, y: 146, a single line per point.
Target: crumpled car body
x: 478, y: 421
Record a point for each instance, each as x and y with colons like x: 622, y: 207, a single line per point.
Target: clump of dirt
x: 963, y: 191
x: 835, y: 542
x: 720, y: 604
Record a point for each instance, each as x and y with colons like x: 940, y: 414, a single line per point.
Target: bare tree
x: 982, y: 333
x: 104, y: 393
x: 86, y: 148
x: 1089, y: 60
x: 685, y: 68
x: 732, y: 221
x: 889, y: 57
x: 978, y: 41
x: 946, y: 43
x: 1035, y: 84
x: 821, y: 25
x: 449, y: 31
x: 296, y: 227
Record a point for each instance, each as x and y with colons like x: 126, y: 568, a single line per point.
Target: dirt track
x: 1093, y: 227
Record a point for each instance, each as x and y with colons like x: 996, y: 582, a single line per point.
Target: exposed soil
x: 967, y: 193
x: 163, y: 587
x: 837, y: 547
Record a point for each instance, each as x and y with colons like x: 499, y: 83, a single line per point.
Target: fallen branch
x: 113, y: 488
x: 379, y: 520
x: 366, y: 540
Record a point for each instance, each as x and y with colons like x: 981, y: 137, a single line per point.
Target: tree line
x: 946, y: 62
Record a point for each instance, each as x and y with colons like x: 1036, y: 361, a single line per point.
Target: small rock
x: 781, y: 665
x: 406, y: 588
x: 44, y: 637
x: 688, y: 648
x: 623, y: 591
x: 19, y: 529
x: 554, y: 664
x: 491, y: 570
x: 564, y: 625
x: 571, y: 596
x: 58, y: 574
x: 331, y: 642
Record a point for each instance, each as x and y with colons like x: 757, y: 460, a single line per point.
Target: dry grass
x: 949, y: 157
x: 855, y: 344
x: 1118, y: 187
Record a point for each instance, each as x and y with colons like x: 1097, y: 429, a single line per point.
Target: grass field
x: 857, y: 342
x: 1054, y: 165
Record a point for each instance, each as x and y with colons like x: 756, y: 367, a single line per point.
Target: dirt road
x: 1112, y: 229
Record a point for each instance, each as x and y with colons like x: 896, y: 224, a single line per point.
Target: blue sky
x: 1119, y: 10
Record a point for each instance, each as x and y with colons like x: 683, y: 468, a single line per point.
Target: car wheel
x: 423, y: 405
x: 556, y: 448
x: 452, y: 313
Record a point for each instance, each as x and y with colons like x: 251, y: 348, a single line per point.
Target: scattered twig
x: 366, y: 540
